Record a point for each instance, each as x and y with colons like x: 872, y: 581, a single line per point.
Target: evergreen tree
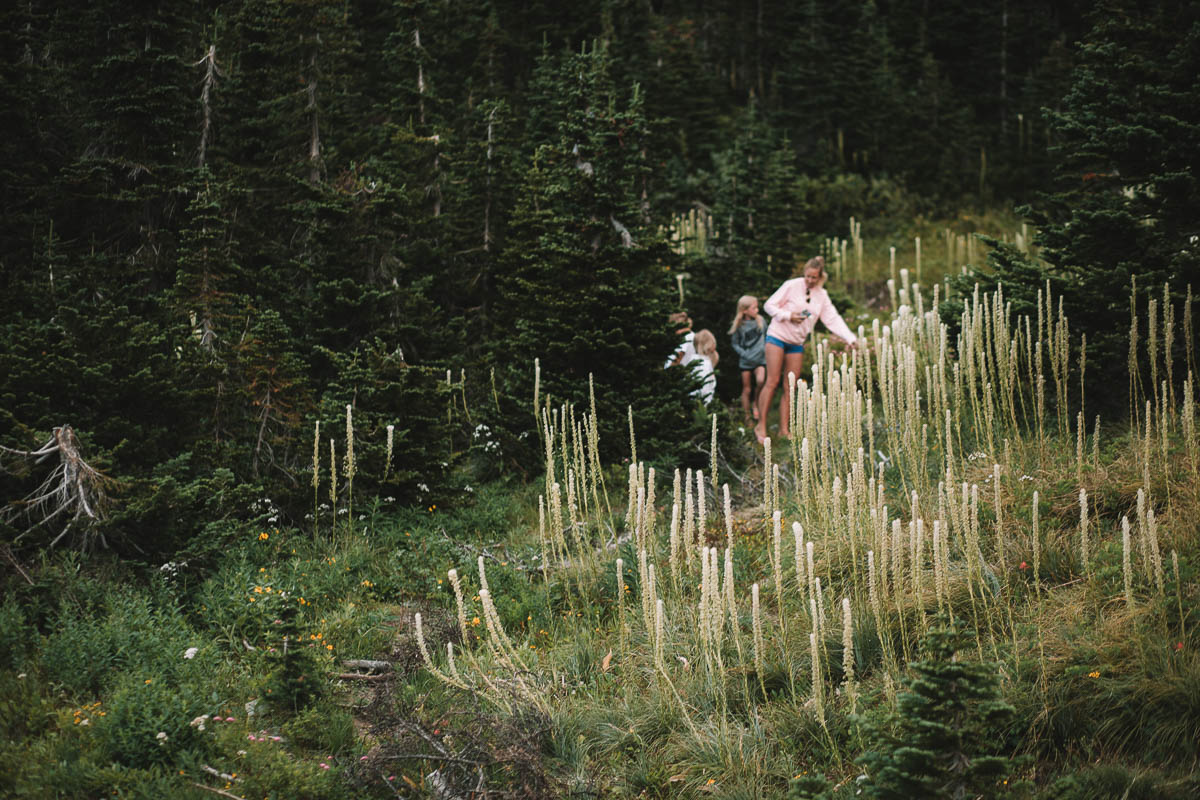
x: 941, y: 740
x: 1128, y: 150
x: 583, y: 287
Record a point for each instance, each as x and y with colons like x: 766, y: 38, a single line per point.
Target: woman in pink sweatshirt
x: 794, y: 309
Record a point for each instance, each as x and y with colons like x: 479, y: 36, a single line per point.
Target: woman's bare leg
x: 792, y: 363
x: 774, y: 366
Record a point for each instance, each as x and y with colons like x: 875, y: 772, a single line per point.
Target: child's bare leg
x: 760, y: 375
x: 746, y: 395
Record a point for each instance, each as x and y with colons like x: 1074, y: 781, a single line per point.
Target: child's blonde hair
x: 743, y: 303
x: 706, y: 345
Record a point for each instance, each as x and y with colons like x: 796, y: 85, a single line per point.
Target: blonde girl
x: 748, y: 336
x: 704, y: 363
x: 794, y: 309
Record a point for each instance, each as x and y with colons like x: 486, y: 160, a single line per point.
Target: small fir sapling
x: 941, y: 741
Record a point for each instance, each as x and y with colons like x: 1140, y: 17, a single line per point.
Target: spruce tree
x: 941, y: 742
x: 584, y: 287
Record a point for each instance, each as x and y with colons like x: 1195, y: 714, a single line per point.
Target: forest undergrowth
x: 951, y: 582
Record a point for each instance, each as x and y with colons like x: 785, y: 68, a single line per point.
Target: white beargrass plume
x: 798, y: 557
x: 316, y: 459
x: 502, y: 644
x: 1126, y: 566
x: 451, y: 680
x: 391, y: 438
x: 1155, y: 557
x: 873, y: 596
x: 731, y: 603
x: 998, y: 510
x: 937, y: 563
x: 1083, y: 528
x: 767, y: 502
x: 1037, y: 546
x: 689, y: 520
x: 774, y: 487
x: 848, y: 653
x: 333, y: 475
x: 812, y: 573
x: 712, y: 461
x: 701, y: 511
x: 674, y: 546
x: 458, y: 600
x: 633, y: 459
x: 631, y: 506
x: 350, y: 463
x: 316, y: 470
x: 649, y: 514
x: 621, y: 604
x: 756, y: 617
x: 728, y: 518
x: 777, y: 563
x: 546, y: 551
x: 537, y: 384
x: 1143, y: 538
x: 817, y: 687
x: 659, y: 635
x: 556, y: 520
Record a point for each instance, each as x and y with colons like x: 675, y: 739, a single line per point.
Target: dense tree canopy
x: 223, y: 223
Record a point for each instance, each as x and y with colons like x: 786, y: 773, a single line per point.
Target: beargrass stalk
x: 333, y: 477
x: 689, y: 520
x: 817, y: 686
x: 777, y: 566
x: 1083, y: 530
x: 316, y: 470
x: 756, y: 619
x: 1126, y: 565
x: 767, y: 504
x: 848, y: 683
x: 1037, y: 546
x: 620, y: 600
x: 712, y: 456
x: 728, y: 517
x: 1155, y: 557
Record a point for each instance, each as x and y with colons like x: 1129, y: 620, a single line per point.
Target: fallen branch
x: 362, y: 663
x: 73, y: 487
x: 363, y: 676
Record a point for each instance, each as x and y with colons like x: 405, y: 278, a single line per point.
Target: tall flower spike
x: 316, y: 459
x: 387, y: 464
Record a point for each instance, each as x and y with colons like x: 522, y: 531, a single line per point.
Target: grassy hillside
x: 952, y: 579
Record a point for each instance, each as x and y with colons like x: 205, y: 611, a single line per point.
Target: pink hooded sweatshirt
x: 794, y: 296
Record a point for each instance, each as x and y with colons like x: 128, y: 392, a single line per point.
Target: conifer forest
x: 338, y: 458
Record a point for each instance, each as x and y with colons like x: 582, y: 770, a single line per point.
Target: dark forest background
x: 225, y: 222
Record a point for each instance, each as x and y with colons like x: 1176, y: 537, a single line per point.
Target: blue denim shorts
x: 787, y: 348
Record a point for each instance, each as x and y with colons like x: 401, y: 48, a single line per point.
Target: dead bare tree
x: 74, y: 491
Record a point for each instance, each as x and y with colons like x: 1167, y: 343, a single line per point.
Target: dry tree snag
x: 73, y: 490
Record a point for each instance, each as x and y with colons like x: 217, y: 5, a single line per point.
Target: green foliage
x: 16, y: 634
x: 940, y: 742
x: 580, y: 292
x: 147, y: 722
x: 809, y: 787
x: 89, y: 649
x: 296, y: 677
x: 322, y: 729
x: 1116, y: 782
